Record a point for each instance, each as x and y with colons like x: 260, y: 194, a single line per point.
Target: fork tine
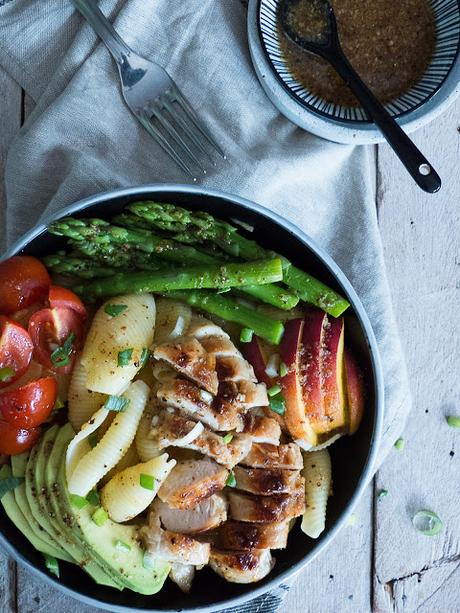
x: 156, y: 134
x: 192, y: 133
x: 188, y: 110
x: 174, y: 134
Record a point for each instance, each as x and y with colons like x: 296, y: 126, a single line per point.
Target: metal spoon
x: 323, y: 40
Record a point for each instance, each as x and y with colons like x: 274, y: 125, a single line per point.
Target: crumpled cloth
x: 81, y: 139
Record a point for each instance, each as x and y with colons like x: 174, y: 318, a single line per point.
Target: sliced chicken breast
x: 201, y: 328
x: 265, y: 482
x: 270, y: 456
x: 261, y: 429
x: 172, y: 546
x: 192, y: 481
x: 188, y: 356
x: 241, y: 567
x: 255, y: 394
x: 234, y: 368
x: 207, y: 515
x: 250, y: 508
x: 243, y: 536
x: 220, y: 347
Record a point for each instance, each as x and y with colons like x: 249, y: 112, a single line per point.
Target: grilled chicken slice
x: 255, y: 394
x: 234, y: 368
x: 243, y: 536
x: 218, y: 413
x: 188, y: 356
x: 177, y: 431
x: 287, y: 457
x: 201, y: 328
x: 207, y: 515
x: 172, y: 546
x: 220, y: 346
x: 241, y: 567
x: 192, y: 481
x: 266, y: 482
x: 247, y: 507
x: 261, y: 429
x: 182, y: 575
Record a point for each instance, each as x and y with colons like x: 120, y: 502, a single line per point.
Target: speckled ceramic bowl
x: 352, y: 457
x: 437, y: 89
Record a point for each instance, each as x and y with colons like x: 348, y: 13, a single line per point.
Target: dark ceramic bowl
x: 352, y: 457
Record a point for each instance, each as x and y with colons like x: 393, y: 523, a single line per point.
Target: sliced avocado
x: 101, y: 540
x: 56, y: 517
x: 18, y: 518
x: 18, y: 465
x: 33, y: 500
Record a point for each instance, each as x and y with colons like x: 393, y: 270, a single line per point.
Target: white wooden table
x: 380, y: 563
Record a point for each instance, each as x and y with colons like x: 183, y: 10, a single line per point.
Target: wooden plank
x: 420, y: 234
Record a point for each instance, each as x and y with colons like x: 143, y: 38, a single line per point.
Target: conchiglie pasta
x: 131, y: 458
x: 112, y: 446
x: 124, y: 497
x: 130, y: 332
x: 173, y: 319
x: 147, y: 447
x: 317, y: 473
x: 82, y: 402
x: 79, y: 446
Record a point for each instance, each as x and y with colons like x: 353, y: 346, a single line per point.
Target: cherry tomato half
x: 63, y: 297
x: 15, y: 351
x: 23, y: 281
x: 30, y: 405
x: 57, y: 336
x: 14, y: 440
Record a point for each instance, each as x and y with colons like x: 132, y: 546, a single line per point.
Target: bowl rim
x: 364, y: 322
x: 344, y: 132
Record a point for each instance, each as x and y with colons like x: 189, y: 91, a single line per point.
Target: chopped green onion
x: 116, y: 403
x: 231, y: 481
x: 382, y: 494
x: 124, y: 357
x: 6, y: 373
x: 277, y: 404
x: 427, y: 523
x: 8, y: 484
x: 144, y: 357
x: 246, y: 335
x: 147, y: 481
x: 283, y: 369
x: 93, y: 498
x: 78, y: 501
x: 58, y: 404
x: 122, y: 546
x: 148, y: 560
x: 399, y: 444
x: 93, y: 439
x: 100, y: 516
x: 227, y: 438
x: 115, y: 309
x: 61, y: 355
x: 453, y: 421
x: 274, y: 390
x: 52, y: 564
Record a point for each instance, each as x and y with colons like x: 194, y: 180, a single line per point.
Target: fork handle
x: 104, y: 29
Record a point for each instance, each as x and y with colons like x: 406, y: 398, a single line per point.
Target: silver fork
x: 154, y: 98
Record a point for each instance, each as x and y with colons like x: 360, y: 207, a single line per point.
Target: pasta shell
x: 97, y: 462
x: 147, y: 448
x: 173, y: 319
x: 79, y: 446
x: 82, y: 402
x: 317, y: 473
x: 131, y: 458
x: 124, y: 497
x: 108, y: 336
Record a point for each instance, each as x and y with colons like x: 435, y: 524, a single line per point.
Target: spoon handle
x: 415, y: 162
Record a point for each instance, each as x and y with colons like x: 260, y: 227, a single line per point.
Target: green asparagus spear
x: 195, y: 227
x: 120, y: 247
x: 221, y: 306
x: 218, y: 277
x: 77, y: 267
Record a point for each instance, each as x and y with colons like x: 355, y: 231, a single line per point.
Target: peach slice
x: 355, y: 391
x: 291, y: 351
x: 314, y: 330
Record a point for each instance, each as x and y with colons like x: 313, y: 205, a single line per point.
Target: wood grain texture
x: 421, y: 237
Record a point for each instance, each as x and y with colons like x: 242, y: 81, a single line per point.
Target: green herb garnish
x: 124, y: 357
x: 8, y: 484
x: 93, y: 498
x: 78, y: 501
x: 228, y: 438
x: 6, y: 373
x: 115, y: 309
x: 382, y: 494
x: 61, y: 355
x: 100, y: 516
x: 144, y: 357
x: 283, y: 369
x: 453, y: 421
x: 231, y: 480
x: 277, y: 404
x: 52, y: 564
x: 58, y: 404
x: 122, y: 546
x: 273, y: 391
x: 399, y: 444
x: 147, y: 481
x: 246, y: 335
x: 427, y: 523
x: 116, y: 403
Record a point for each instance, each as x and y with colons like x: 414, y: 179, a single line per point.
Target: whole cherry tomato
x: 23, y: 281
x: 15, y: 351
x: 29, y: 406
x: 14, y: 440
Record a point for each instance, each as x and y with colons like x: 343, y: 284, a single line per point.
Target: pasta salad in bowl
x: 180, y: 399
